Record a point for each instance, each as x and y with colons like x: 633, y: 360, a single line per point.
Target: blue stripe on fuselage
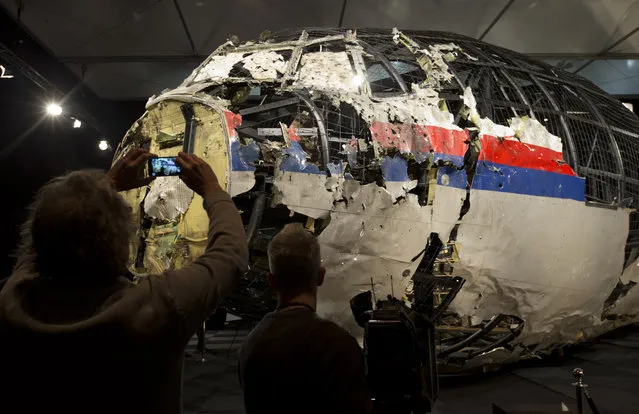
x: 489, y: 176
x: 504, y: 178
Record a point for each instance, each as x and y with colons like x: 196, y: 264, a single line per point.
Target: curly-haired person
x: 76, y: 334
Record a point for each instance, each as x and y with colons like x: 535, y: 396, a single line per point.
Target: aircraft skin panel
x: 629, y: 303
x: 520, y: 256
x: 371, y: 237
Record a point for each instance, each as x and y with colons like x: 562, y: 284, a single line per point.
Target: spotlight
x: 357, y: 80
x: 103, y: 145
x: 54, y: 109
x: 77, y: 123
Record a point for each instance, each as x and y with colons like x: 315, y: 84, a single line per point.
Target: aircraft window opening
x: 410, y: 72
x: 379, y: 78
x: 331, y: 46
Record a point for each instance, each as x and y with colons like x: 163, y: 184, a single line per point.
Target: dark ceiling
x: 131, y: 49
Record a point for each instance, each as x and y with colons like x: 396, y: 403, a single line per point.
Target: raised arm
x: 199, y: 288
x: 195, y: 290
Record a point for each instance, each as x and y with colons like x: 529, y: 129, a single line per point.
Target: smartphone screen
x: 163, y: 166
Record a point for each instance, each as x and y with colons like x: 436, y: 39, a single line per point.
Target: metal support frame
x: 295, y: 56
x: 514, y: 333
x: 269, y: 106
x: 443, y: 306
x: 257, y: 212
x: 572, y: 149
x: 472, y: 338
x: 576, y: 88
x: 190, y: 127
x: 321, y: 127
x: 523, y: 98
x: 358, y: 65
x: 592, y: 149
x: 572, y: 81
x: 504, y: 94
x: 613, y: 142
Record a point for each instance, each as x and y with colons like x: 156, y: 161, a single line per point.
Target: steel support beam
x: 186, y: 27
x: 341, y: 15
x: 132, y: 59
x: 609, y: 48
x: 496, y: 19
x: 584, y: 56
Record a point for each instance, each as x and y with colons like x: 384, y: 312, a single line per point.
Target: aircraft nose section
x: 173, y: 225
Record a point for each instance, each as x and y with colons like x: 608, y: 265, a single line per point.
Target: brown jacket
x: 116, y: 348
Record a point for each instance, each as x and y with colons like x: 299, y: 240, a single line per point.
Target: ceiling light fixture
x: 77, y: 123
x: 54, y: 109
x: 103, y: 145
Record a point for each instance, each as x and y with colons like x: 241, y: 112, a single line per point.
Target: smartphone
x: 163, y: 167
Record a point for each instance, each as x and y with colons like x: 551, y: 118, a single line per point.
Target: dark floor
x: 611, y: 367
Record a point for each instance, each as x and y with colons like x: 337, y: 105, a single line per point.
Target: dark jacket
x: 117, y: 347
x: 296, y: 362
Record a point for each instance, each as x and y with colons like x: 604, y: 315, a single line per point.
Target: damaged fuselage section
x: 378, y: 145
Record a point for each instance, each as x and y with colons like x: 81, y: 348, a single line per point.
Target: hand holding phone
x: 197, y: 174
x: 126, y: 171
x: 163, y: 167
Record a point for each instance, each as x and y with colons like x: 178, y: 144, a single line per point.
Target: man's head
x: 295, y: 261
x: 78, y: 229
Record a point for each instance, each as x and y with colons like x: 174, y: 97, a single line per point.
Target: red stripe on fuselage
x: 518, y: 154
x: 419, y: 138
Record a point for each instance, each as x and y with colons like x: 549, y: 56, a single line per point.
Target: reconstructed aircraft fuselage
x: 496, y: 194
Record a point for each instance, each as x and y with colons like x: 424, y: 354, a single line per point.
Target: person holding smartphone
x: 76, y: 335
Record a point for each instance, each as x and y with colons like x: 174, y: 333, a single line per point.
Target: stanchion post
x: 202, y: 343
x: 578, y: 373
